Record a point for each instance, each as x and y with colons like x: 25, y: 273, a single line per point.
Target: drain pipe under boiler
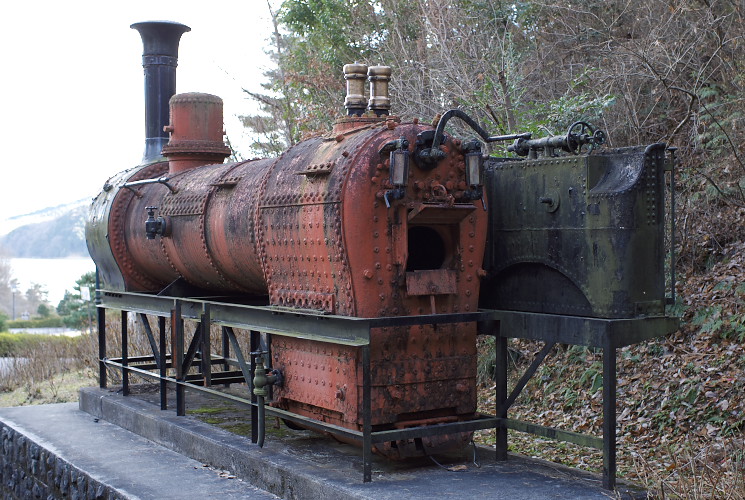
x: 260, y: 382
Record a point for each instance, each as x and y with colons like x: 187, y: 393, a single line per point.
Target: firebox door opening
x: 427, y: 249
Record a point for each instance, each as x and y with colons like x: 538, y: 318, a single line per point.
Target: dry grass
x: 51, y: 370
x: 716, y: 471
x: 44, y: 361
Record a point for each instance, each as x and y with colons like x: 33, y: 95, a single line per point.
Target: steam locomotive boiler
x: 362, y: 222
x: 387, y: 223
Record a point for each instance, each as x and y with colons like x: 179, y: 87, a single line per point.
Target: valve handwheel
x: 576, y: 132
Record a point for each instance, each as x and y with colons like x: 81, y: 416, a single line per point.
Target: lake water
x: 54, y: 275
x: 7, y: 364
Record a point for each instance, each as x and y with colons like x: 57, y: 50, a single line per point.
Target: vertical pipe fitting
x: 379, y: 76
x: 355, y: 101
x: 160, y: 41
x: 259, y: 383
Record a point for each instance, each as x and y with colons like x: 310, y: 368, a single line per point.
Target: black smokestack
x: 160, y: 41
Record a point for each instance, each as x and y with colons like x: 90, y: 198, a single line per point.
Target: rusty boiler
x: 362, y: 222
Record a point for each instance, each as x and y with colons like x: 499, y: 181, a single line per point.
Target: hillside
x: 51, y: 233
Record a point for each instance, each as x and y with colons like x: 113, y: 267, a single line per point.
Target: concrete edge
x: 47, y: 473
x: 264, y: 468
x: 268, y: 468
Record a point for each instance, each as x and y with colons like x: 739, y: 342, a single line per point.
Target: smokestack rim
x: 159, y: 45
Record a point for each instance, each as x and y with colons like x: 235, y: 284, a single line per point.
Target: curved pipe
x: 457, y: 113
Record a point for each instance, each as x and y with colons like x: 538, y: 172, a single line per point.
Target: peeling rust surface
x: 130, y: 256
x: 311, y: 230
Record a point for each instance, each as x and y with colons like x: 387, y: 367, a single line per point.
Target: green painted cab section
x: 577, y: 235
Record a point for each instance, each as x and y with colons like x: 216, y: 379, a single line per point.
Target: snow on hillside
x: 44, y: 215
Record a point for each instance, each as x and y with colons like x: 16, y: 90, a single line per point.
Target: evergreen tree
x: 74, y: 310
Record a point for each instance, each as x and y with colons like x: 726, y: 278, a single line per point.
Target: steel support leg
x: 609, y: 414
x: 101, y: 316
x: 177, y: 356
x: 153, y: 345
x: 163, y: 361
x: 366, y: 416
x: 206, y: 347
x: 254, y: 344
x: 501, y: 371
x: 225, y: 351
x: 125, y: 355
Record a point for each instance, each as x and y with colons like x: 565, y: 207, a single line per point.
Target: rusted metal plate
x: 437, y: 213
x: 431, y: 282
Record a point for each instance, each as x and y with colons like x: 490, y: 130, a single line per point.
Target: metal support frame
x: 205, y: 350
x: 102, y: 375
x: 177, y: 348
x: 605, y: 334
x: 254, y: 344
x: 125, y: 355
x: 609, y: 413
x: 269, y: 321
x: 163, y: 359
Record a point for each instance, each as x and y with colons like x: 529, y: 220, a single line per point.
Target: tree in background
x: 648, y: 70
x: 35, y: 297
x: 471, y: 54
x: 5, y: 291
x: 645, y: 71
x: 676, y: 69
x: 31, y: 300
x: 305, y: 88
x: 74, y: 310
x: 273, y: 127
x: 44, y: 311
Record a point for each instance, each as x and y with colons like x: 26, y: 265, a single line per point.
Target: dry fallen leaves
x: 683, y: 395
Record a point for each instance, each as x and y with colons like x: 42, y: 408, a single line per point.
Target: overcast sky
x: 72, y: 87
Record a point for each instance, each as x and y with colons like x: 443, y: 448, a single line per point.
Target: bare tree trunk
x: 287, y: 114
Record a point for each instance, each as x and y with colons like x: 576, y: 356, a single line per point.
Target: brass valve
x: 261, y: 379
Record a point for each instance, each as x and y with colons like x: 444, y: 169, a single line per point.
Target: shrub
x: 17, y: 344
x: 50, y: 322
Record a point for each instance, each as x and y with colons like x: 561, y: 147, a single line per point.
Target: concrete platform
x: 291, y: 465
x: 62, y: 452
